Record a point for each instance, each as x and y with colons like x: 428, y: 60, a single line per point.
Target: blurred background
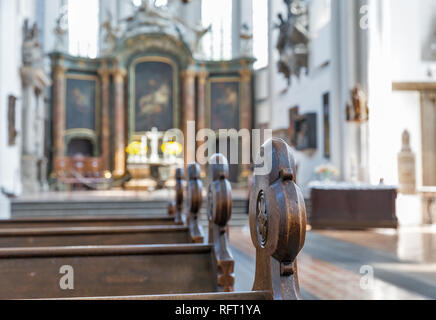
x: 88, y: 88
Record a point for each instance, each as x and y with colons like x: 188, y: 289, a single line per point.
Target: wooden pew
x: 85, y: 221
x: 113, y: 234
x: 31, y: 273
x: 277, y: 224
x: 278, y: 229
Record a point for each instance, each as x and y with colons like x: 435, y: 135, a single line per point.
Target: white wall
x: 276, y: 98
x: 12, y: 16
x: 412, y: 24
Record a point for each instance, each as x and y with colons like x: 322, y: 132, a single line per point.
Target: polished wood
x: 219, y: 214
x: 194, y: 200
x: 277, y: 215
x: 34, y: 273
x: 93, y: 236
x: 227, y: 296
x: 85, y: 221
x: 179, y: 196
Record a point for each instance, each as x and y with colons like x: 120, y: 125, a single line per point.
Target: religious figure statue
x: 246, y: 37
x: 34, y: 81
x: 111, y: 34
x: 357, y: 110
x: 31, y: 51
x: 61, y: 30
x: 406, y: 166
x: 148, y: 15
x: 150, y: 18
x: 293, y: 39
x: 199, y: 32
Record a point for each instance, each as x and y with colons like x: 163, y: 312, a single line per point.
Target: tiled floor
x: 374, y: 264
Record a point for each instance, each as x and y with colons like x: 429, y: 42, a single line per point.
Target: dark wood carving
x: 194, y: 200
x: 219, y: 213
x: 277, y: 223
x: 179, y: 196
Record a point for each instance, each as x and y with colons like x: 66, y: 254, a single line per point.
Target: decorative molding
x: 414, y: 86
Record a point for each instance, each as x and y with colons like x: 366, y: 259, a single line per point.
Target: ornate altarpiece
x: 149, y: 80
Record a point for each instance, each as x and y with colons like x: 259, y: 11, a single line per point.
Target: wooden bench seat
x: 113, y: 235
x: 93, y: 236
x: 34, y: 273
x: 228, y: 296
x: 76, y: 222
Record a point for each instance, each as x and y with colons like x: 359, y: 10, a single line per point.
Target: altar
x: 352, y: 206
x: 151, y: 78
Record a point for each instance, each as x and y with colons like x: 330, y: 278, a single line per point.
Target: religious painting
x: 224, y: 103
x: 154, y: 96
x: 81, y: 102
x: 326, y: 120
x: 305, y: 132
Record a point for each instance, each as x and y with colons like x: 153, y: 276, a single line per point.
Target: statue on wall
x: 293, y: 39
x: 34, y: 82
x: 246, y: 37
x: 357, y: 109
x: 111, y: 34
x: 406, y: 166
x: 61, y: 30
x: 199, y: 32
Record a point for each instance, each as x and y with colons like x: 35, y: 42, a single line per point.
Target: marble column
x: 59, y: 111
x: 105, y: 116
x: 188, y: 110
x: 120, y: 123
x: 246, y: 111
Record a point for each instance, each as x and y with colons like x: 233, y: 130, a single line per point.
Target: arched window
x: 217, y: 44
x: 83, y: 26
x: 260, y: 33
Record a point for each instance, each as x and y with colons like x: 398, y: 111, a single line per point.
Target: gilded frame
x: 218, y: 79
x: 133, y: 134
x: 90, y: 134
x: 88, y: 77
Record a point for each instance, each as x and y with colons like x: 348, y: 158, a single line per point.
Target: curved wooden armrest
x: 277, y: 216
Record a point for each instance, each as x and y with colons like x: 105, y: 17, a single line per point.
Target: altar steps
x: 107, y: 208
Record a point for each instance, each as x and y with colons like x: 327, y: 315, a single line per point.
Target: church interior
x: 135, y: 134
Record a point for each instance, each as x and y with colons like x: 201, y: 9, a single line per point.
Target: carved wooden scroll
x: 219, y: 213
x: 193, y: 202
x: 179, y: 196
x: 277, y: 222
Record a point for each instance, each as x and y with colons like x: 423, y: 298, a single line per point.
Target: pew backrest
x: 42, y: 273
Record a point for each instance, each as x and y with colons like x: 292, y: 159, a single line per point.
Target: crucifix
x: 154, y: 135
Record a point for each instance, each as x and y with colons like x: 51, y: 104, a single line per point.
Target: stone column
x: 105, y: 116
x: 59, y: 111
x: 120, y: 123
x: 201, y: 104
x: 202, y: 122
x: 246, y: 111
x: 188, y: 110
